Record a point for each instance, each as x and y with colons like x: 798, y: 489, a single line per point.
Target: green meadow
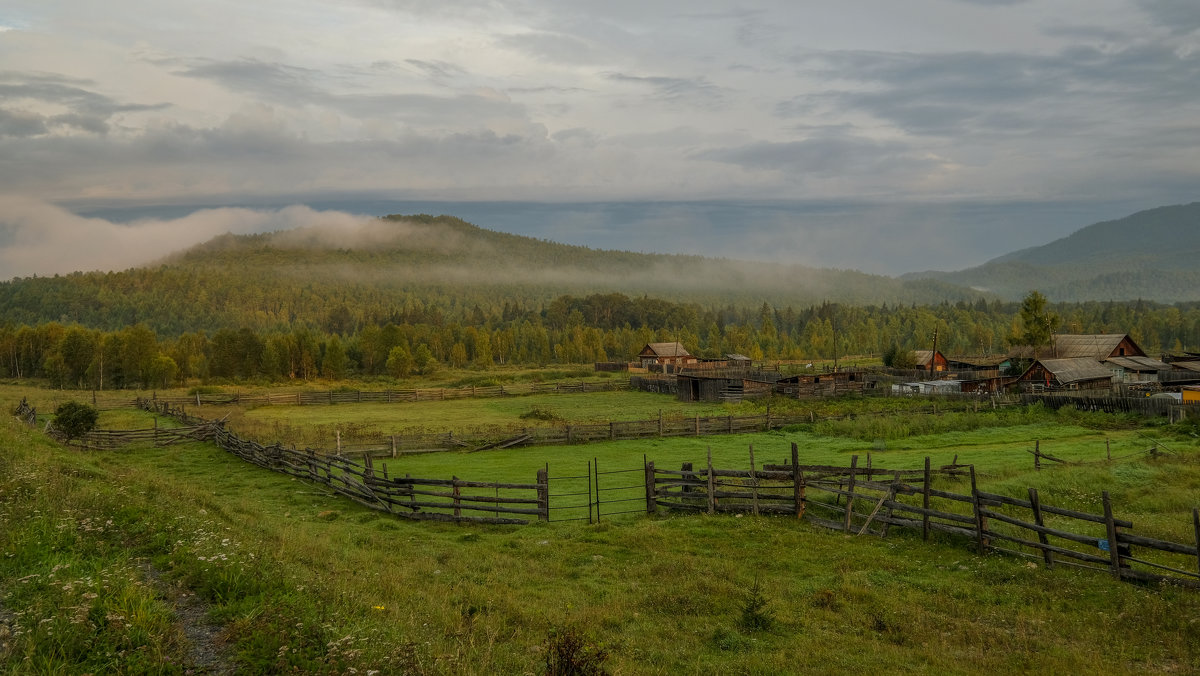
x: 97, y: 549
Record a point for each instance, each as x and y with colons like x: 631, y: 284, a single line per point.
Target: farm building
x: 723, y: 385
x: 1096, y: 346
x: 1136, y: 369
x: 931, y: 360
x: 928, y: 387
x: 665, y: 354
x: 821, y: 384
x: 1077, y: 373
x: 982, y: 363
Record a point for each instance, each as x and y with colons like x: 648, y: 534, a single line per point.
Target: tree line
x: 567, y: 330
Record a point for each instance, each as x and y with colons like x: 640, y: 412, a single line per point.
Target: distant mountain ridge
x: 1152, y: 255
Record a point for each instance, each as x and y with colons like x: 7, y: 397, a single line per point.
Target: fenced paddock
x: 855, y: 500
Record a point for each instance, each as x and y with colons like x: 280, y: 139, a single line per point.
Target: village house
x: 931, y: 360
x: 1076, y: 373
x: 671, y: 355
x: 1095, y: 346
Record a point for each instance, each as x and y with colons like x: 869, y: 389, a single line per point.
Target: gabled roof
x: 665, y: 350
x: 926, y: 356
x: 1074, y: 370
x: 1138, y: 363
x: 981, y: 361
x: 1096, y: 346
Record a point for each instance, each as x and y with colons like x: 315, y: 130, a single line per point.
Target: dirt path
x: 208, y: 653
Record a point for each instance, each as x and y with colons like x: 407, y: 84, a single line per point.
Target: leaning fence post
x: 1037, y: 518
x: 980, y: 524
x: 543, y: 494
x: 850, y: 494
x: 1037, y: 455
x: 1114, y: 551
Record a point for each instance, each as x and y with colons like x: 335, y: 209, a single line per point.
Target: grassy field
x: 98, y: 552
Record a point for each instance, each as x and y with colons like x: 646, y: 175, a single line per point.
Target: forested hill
x: 1153, y: 255
x: 417, y: 268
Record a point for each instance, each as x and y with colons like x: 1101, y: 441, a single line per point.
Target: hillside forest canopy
x: 568, y: 330
x: 407, y: 295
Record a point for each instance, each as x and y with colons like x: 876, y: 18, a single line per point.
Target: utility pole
x: 933, y: 357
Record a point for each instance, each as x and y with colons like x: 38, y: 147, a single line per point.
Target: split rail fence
x: 858, y: 500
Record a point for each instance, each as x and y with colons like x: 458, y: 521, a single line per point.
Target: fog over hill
x: 1152, y: 255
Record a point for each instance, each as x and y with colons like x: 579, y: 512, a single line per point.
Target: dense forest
x: 569, y: 330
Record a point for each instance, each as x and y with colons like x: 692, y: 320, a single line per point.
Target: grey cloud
x: 553, y: 47
x: 21, y: 123
x: 1181, y: 16
x: 951, y: 94
x: 436, y: 69
x: 293, y: 86
x: 677, y: 89
x: 820, y: 156
x: 993, y: 3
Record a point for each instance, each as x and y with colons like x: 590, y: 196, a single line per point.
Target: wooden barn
x: 931, y: 360
x: 665, y: 354
x: 722, y: 385
x: 1077, y: 373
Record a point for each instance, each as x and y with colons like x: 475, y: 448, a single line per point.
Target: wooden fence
x: 314, y: 398
x: 887, y: 498
x: 408, y: 497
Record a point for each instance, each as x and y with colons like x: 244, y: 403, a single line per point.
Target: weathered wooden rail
x: 407, y: 497
x: 905, y: 498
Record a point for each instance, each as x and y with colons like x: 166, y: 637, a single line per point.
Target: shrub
x: 569, y: 653
x: 540, y: 413
x: 74, y: 419
x: 756, y: 615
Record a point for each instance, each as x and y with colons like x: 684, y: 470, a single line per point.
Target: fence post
x: 393, y: 445
x: 543, y: 494
x: 1108, y: 448
x: 753, y: 482
x: 589, y: 473
x: 595, y: 465
x: 712, y: 498
x: 1037, y: 518
x: 797, y: 478
x: 850, y: 494
x: 651, y: 504
x: 1037, y: 455
x: 457, y: 493
x: 660, y: 422
x: 925, y: 501
x: 612, y: 430
x: 980, y: 521
x: 1196, y: 528
x: 1114, y: 551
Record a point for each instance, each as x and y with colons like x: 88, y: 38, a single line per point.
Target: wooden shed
x: 1136, y: 369
x: 1078, y: 373
x: 821, y: 384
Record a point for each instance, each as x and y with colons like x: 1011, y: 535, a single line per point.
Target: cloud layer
x: 923, y: 101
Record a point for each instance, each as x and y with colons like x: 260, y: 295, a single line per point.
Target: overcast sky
x: 863, y: 101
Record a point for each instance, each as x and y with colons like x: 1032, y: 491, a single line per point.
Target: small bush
x: 540, y: 413
x: 570, y: 653
x: 74, y: 419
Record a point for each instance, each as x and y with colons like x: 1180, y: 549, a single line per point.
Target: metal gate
x: 596, y: 494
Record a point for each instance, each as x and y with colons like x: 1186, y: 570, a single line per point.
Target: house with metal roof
x: 1076, y: 373
x: 1136, y: 369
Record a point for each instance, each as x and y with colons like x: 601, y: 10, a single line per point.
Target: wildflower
x: 378, y: 607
